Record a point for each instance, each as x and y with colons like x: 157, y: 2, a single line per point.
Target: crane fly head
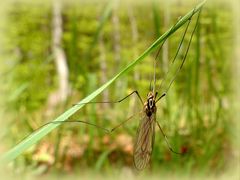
x: 150, y: 95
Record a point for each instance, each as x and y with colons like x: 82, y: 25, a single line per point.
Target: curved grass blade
x: 38, y: 135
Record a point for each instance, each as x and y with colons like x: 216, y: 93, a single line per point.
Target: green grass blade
x: 106, y: 14
x: 38, y: 135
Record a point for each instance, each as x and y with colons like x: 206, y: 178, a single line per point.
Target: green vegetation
x: 110, y: 47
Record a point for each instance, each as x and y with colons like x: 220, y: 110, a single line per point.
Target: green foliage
x: 195, y: 115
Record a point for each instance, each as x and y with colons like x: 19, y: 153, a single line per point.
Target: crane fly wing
x: 144, y: 141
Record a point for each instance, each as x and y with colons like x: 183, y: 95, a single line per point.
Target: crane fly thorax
x: 150, y: 106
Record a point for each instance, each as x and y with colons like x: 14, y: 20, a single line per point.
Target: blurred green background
x: 53, y: 54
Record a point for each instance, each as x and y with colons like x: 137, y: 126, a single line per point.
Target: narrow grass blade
x: 106, y: 14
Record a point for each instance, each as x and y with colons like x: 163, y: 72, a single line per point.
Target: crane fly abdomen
x: 145, y: 134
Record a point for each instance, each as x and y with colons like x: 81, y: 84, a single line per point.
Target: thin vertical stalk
x: 135, y: 37
x: 116, y: 42
x: 59, y: 54
x: 103, y: 67
x: 165, y: 53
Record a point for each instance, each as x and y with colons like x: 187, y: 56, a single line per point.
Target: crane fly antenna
x: 150, y: 85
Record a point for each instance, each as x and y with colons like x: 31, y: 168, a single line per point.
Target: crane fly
x: 144, y: 141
